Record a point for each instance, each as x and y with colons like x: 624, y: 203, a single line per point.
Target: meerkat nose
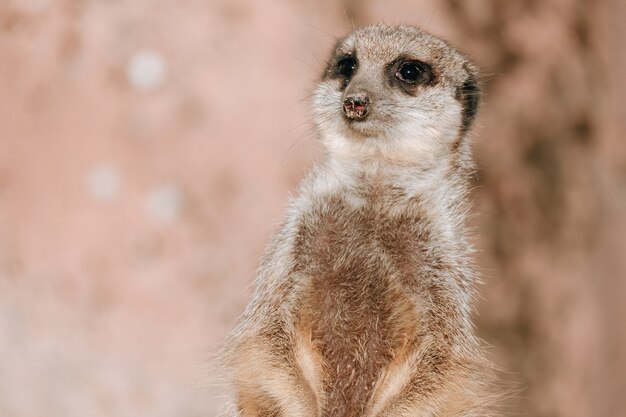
x: 356, y: 107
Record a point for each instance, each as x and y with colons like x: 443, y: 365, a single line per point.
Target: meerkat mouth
x: 361, y: 129
x: 358, y: 122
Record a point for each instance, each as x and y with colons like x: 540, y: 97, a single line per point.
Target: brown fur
x: 362, y: 302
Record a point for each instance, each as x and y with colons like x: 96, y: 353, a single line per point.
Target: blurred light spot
x: 103, y: 183
x: 163, y: 203
x: 146, y: 70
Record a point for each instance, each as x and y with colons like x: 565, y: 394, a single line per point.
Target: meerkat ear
x: 468, y: 95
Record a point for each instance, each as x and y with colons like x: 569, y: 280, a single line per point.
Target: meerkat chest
x: 357, y: 304
x: 347, y: 248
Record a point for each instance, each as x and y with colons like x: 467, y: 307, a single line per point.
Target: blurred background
x: 147, y: 150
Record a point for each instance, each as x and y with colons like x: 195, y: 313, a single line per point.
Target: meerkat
x: 362, y: 303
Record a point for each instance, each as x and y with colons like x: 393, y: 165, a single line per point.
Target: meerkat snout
x: 355, y: 98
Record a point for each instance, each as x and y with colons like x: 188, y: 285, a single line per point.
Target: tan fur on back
x: 362, y: 303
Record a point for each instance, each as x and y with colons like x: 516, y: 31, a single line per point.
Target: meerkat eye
x: 346, y: 66
x: 414, y: 72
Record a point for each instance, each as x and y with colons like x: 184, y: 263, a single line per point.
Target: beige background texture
x: 147, y: 150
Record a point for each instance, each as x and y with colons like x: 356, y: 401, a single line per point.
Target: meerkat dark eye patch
x: 415, y: 72
x: 346, y: 66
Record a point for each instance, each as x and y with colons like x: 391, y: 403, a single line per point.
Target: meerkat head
x: 396, y: 93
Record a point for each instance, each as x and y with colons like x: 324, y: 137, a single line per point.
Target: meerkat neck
x: 439, y: 191
x: 443, y: 178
